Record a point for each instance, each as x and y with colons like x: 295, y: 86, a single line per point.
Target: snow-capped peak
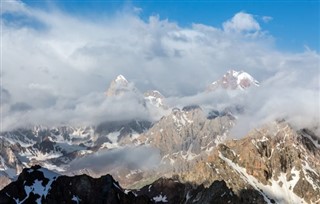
x: 233, y: 72
x: 244, y: 80
x: 118, y: 86
x: 120, y: 78
x: 234, y: 80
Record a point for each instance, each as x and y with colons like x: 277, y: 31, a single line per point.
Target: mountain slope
x: 187, y: 132
x: 281, y: 164
x: 273, y: 164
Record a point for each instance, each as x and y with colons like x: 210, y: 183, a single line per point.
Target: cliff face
x: 276, y: 161
x: 187, y: 130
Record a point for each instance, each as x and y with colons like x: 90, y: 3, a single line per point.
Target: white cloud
x: 241, y: 22
x: 62, y: 68
x: 287, y: 95
x: 12, y: 6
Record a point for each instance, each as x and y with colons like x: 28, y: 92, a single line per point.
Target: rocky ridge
x: 39, y: 185
x: 279, y: 163
x: 273, y: 164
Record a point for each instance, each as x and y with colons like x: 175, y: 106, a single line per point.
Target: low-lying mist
x: 131, y: 158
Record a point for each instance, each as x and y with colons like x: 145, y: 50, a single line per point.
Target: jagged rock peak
x: 120, y: 79
x: 233, y: 80
x: 118, y: 86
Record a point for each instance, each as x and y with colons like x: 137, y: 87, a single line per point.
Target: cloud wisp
x: 131, y: 158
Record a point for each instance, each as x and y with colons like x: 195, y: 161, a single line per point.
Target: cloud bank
x: 56, y: 66
x: 132, y: 158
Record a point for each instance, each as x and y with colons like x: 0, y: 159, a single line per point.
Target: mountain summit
x: 234, y: 80
x: 118, y: 86
x: 121, y: 79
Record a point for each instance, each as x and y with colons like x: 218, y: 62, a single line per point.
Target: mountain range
x: 186, y: 155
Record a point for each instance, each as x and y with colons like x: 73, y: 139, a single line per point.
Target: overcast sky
x: 57, y: 65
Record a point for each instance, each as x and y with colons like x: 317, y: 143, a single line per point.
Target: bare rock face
x: 186, y: 133
x: 173, y: 191
x: 10, y: 165
x: 276, y: 161
x: 4, y: 181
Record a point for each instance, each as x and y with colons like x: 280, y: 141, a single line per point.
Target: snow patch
x: 84, y: 152
x: 113, y: 137
x: 109, y: 145
x: 306, y: 169
x: 40, y: 156
x: 160, y: 198
x: 181, y: 120
x: 120, y: 78
x: 117, y: 186
x: 37, y: 187
x: 315, y: 142
x: 157, y: 102
x: 53, y: 167
x: 76, y: 199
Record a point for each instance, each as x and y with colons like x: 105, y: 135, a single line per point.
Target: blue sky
x: 294, y: 24
x: 65, y: 53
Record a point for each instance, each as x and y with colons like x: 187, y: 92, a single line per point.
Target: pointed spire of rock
x: 118, y: 86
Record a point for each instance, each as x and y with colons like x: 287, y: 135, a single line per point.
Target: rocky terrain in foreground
x: 276, y: 162
x: 273, y: 164
x: 39, y: 185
